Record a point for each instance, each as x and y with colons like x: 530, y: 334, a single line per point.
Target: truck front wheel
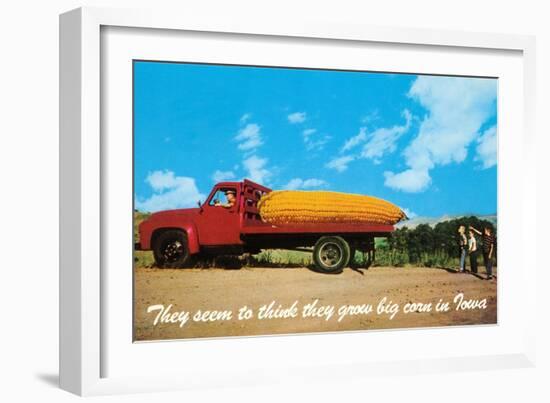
x: 171, y: 249
x: 331, y: 254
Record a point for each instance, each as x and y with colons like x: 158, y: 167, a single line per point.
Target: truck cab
x: 215, y: 226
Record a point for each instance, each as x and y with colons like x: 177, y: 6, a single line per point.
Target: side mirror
x: 200, y: 205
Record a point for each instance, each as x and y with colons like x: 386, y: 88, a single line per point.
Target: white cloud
x: 312, y: 141
x: 355, y: 140
x: 409, y: 213
x: 457, y: 108
x: 245, y: 117
x: 340, y: 164
x: 297, y: 117
x: 298, y: 183
x: 384, y: 140
x: 372, y: 117
x: 487, y: 148
x: 222, y: 176
x: 410, y: 180
x: 170, y: 191
x: 249, y: 137
x: 317, y: 145
x: 256, y: 169
x: 162, y: 180
x: 379, y: 142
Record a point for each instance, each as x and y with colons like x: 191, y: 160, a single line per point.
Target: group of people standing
x: 469, y: 246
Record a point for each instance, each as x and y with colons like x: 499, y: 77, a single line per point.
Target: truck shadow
x: 361, y: 268
x: 357, y: 268
x: 237, y: 263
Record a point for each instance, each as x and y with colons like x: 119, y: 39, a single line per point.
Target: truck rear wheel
x: 171, y: 249
x: 331, y: 254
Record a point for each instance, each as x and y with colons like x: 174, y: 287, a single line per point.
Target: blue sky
x: 425, y: 143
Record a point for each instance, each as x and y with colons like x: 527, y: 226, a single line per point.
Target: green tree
x: 438, y: 245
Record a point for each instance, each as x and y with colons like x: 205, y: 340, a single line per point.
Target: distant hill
x: 432, y: 221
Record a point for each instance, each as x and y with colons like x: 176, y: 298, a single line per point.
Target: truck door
x: 219, y: 223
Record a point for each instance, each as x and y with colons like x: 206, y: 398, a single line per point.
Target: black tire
x: 331, y: 254
x: 171, y: 250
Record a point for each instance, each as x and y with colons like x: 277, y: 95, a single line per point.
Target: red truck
x: 176, y: 237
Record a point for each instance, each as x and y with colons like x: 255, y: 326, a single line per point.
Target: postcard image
x: 271, y: 200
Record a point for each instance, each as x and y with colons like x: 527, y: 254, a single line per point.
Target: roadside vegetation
x: 428, y: 246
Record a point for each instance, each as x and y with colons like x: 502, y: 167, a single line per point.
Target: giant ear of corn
x: 300, y: 207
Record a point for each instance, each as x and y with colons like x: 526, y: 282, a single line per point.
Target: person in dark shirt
x: 488, y: 248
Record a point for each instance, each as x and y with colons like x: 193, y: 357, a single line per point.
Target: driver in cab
x: 230, y: 195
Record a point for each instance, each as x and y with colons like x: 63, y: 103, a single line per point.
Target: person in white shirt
x: 472, y: 251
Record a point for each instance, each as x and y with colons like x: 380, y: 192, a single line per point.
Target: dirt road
x: 189, y: 290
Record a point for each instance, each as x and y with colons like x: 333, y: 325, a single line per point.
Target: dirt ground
x: 190, y: 290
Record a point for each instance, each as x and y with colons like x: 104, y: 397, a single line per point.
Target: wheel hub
x: 173, y: 251
x: 330, y: 254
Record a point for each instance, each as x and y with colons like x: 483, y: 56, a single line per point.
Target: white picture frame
x: 83, y: 297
